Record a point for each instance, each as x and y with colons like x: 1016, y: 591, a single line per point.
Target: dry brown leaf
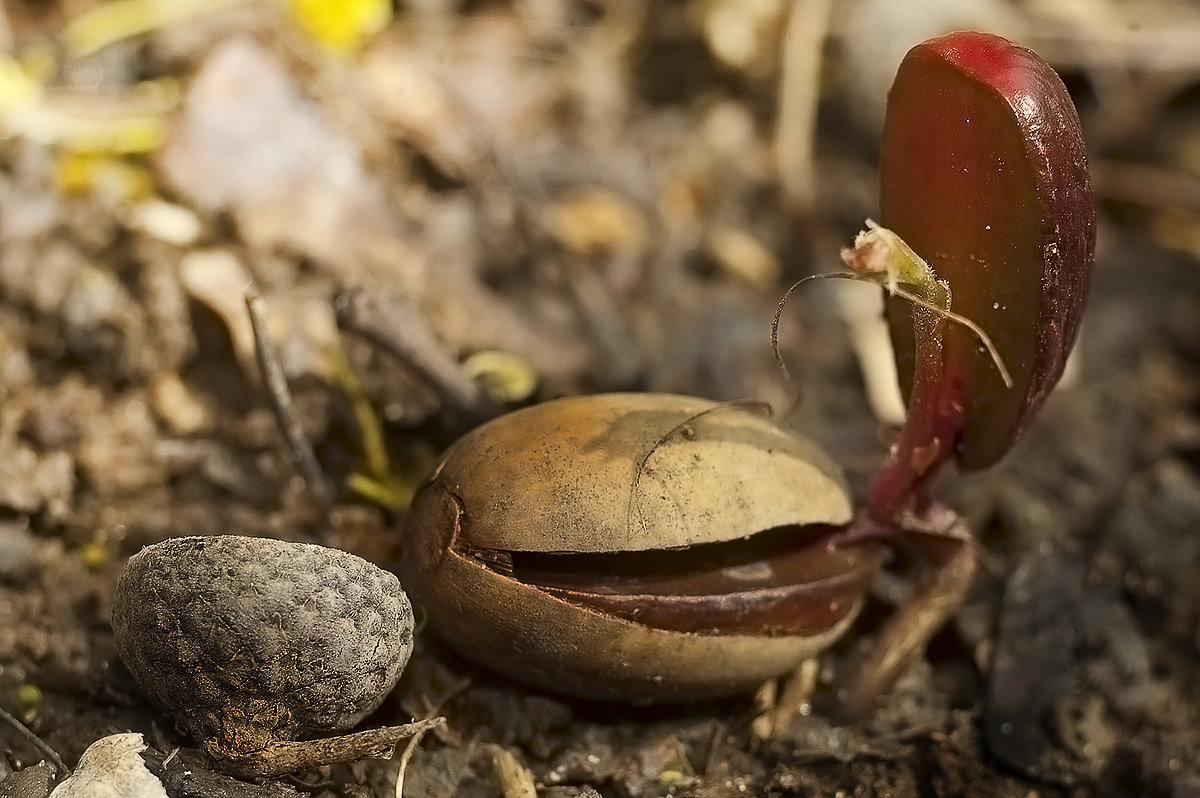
x: 249, y: 142
x: 742, y: 256
x: 593, y: 222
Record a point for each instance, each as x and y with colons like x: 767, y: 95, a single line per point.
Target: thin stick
x: 279, y: 396
x: 716, y: 744
x: 799, y: 93
x: 398, y: 327
x: 375, y: 454
x: 37, y: 742
x: 288, y: 756
x: 411, y: 746
x: 402, y: 763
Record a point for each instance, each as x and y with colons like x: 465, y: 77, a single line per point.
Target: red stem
x: 936, y: 414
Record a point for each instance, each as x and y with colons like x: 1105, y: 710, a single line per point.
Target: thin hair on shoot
x: 881, y: 257
x: 745, y: 405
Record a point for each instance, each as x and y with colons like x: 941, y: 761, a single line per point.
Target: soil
x: 594, y: 195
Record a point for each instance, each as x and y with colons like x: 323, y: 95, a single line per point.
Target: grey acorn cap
x: 249, y: 641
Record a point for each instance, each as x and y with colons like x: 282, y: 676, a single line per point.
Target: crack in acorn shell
x: 765, y: 584
x: 645, y: 476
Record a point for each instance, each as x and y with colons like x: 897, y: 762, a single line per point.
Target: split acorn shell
x: 571, y: 545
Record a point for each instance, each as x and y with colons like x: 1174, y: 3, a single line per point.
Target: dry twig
x: 799, y: 92
x: 280, y: 399
x: 38, y: 743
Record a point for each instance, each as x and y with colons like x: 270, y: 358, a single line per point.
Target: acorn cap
x: 249, y: 641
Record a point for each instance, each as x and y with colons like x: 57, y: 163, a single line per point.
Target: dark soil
x: 593, y: 193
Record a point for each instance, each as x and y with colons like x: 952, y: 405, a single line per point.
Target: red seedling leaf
x: 984, y: 174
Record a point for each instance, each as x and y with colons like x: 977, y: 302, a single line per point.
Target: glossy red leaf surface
x: 984, y: 174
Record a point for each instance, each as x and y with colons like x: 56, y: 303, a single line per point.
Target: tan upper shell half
x: 629, y: 472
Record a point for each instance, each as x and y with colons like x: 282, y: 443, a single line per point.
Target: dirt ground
x: 591, y: 189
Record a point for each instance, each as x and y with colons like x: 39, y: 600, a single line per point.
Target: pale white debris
x: 860, y: 307
x: 112, y: 767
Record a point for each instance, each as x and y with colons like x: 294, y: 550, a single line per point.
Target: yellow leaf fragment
x: 103, y: 175
x: 370, y: 428
x: 342, y: 26
x: 109, y: 23
x: 504, y: 377
x: 17, y: 87
x: 130, y: 135
x: 133, y: 122
x: 743, y: 256
x: 177, y: 405
x: 595, y: 221
x: 514, y: 778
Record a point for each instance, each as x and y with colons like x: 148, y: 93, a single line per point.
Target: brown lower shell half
x: 533, y: 637
x: 527, y: 633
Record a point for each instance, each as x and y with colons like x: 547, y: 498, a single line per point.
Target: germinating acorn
x: 252, y: 643
x: 636, y: 547
x: 656, y: 547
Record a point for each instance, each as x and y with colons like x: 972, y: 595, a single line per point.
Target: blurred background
x: 565, y: 196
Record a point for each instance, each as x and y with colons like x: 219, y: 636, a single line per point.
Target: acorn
x: 254, y: 644
x: 636, y: 547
